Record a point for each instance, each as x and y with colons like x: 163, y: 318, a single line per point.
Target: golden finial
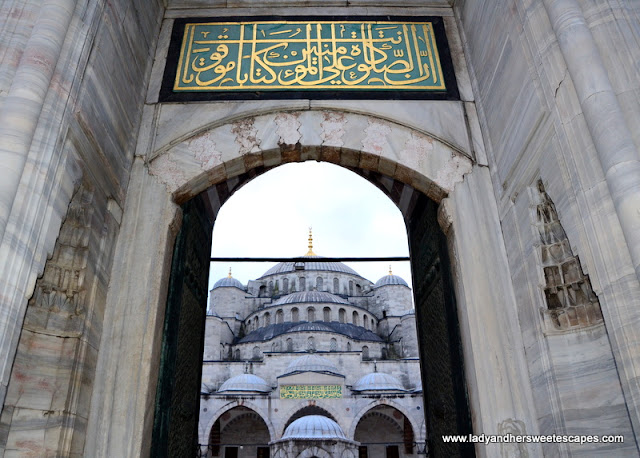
x: 390, y: 273
x: 310, y: 252
x: 229, y: 276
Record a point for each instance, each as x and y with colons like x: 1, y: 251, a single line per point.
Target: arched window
x: 365, y: 321
x: 365, y: 352
x: 267, y: 319
x: 237, y: 355
x: 270, y: 288
x: 293, y: 286
x: 348, y: 346
x: 336, y: 286
x: 311, y: 314
x: 280, y: 316
x: 373, y: 324
x: 303, y: 283
x: 285, y: 286
x: 355, y: 318
x: 256, y: 325
x: 358, y: 290
x: 342, y: 315
x: 311, y: 345
x: 326, y: 312
x: 333, y: 345
x: 256, y: 353
x: 263, y: 291
x: 289, y: 344
x: 350, y: 287
x: 294, y: 315
x: 274, y: 347
x: 319, y: 284
x: 384, y: 353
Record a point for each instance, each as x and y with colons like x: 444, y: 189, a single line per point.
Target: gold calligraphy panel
x: 236, y: 56
x: 310, y: 391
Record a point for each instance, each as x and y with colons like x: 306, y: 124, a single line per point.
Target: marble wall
x: 549, y: 91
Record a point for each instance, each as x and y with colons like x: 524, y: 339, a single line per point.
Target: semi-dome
x: 245, y: 382
x: 310, y: 296
x: 378, y: 381
x: 311, y: 363
x: 228, y: 281
x: 313, y: 427
x: 390, y: 280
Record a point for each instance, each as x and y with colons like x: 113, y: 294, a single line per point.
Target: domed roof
x: 390, y: 280
x: 273, y: 330
x: 314, y: 427
x: 311, y: 363
x: 310, y: 296
x: 378, y: 381
x: 245, y: 382
x: 314, y: 263
x: 228, y: 281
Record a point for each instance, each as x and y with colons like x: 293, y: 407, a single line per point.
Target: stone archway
x: 404, y: 162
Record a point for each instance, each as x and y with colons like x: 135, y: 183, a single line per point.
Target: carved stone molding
x: 571, y: 302
x: 61, y: 288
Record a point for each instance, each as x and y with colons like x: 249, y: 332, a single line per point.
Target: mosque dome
x: 228, y: 281
x: 390, y: 280
x: 314, y: 263
x: 310, y: 296
x: 311, y: 363
x: 378, y: 381
x: 245, y: 382
x: 316, y: 427
x: 311, y: 262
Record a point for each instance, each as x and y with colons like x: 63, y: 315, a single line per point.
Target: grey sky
x: 270, y: 217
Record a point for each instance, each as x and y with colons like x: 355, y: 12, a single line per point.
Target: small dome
x: 245, y: 382
x: 314, y: 427
x: 390, y: 280
x: 311, y: 363
x: 378, y: 381
x: 310, y: 296
x: 228, y: 282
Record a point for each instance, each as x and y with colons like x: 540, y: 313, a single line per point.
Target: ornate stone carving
x: 61, y: 288
x: 571, y: 302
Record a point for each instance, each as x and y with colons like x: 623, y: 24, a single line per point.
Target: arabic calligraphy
x: 310, y: 391
x: 309, y: 55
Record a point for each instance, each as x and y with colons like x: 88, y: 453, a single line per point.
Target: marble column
x: 23, y: 104
x: 620, y: 161
x: 123, y: 399
x: 495, y: 366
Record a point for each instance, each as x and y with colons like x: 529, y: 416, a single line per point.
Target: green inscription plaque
x: 310, y: 391
x: 300, y: 55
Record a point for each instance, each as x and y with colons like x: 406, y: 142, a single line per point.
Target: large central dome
x: 313, y: 263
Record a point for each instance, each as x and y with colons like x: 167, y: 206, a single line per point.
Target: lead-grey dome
x: 313, y: 427
x: 390, y: 280
x: 245, y: 382
x: 310, y: 296
x: 378, y: 381
x: 311, y: 363
x: 314, y: 263
x: 228, y: 282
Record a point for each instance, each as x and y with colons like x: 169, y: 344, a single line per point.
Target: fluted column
x: 620, y: 161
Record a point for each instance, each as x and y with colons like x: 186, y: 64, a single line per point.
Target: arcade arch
x: 228, y: 434
x: 414, y: 169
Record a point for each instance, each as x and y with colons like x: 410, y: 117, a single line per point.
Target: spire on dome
x: 229, y: 276
x: 310, y: 252
x: 390, y: 273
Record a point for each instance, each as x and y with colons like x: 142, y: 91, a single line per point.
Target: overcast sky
x: 271, y: 215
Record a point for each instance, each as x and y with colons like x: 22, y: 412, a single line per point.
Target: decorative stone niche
x: 571, y: 303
